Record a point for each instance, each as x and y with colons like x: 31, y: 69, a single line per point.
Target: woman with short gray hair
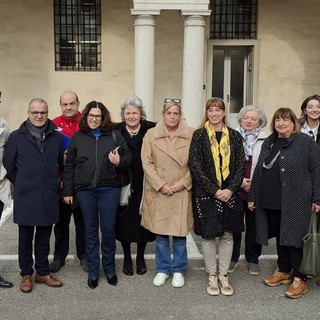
x: 251, y: 120
x: 133, y: 128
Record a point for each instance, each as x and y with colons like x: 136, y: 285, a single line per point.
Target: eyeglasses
x: 169, y: 100
x: 91, y: 116
x: 38, y: 113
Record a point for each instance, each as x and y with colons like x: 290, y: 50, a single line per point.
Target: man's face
x: 38, y: 113
x: 69, y: 105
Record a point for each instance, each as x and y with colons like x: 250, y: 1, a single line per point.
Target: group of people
x: 215, y: 180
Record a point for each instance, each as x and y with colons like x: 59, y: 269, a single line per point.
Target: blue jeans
x: 100, y: 204
x: 164, y: 263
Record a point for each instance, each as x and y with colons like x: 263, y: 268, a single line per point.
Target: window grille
x: 233, y: 19
x: 77, y: 27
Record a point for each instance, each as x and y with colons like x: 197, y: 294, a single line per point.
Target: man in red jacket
x: 68, y: 124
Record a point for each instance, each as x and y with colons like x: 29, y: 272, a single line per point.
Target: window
x: 233, y: 19
x: 77, y: 26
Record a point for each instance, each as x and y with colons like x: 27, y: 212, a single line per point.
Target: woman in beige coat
x: 167, y: 208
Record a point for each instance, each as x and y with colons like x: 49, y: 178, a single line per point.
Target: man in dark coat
x: 33, y: 158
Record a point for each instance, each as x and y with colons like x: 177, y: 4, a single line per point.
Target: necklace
x: 269, y: 166
x: 133, y: 133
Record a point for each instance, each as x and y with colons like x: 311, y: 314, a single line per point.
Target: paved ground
x: 136, y: 298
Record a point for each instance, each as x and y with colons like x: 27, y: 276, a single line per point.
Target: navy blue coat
x: 35, y: 175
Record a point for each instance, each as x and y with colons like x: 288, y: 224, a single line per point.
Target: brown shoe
x: 48, y: 280
x: 297, y: 289
x: 278, y: 278
x: 26, y: 284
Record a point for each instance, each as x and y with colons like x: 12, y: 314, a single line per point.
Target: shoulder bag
x: 310, y: 264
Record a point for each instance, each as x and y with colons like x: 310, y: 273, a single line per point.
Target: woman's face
x: 284, y: 127
x: 215, y: 115
x: 132, y: 116
x: 172, y: 117
x: 313, y: 110
x: 94, y: 118
x: 250, y: 120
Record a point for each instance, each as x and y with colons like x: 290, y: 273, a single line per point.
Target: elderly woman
x: 251, y: 120
x: 167, y: 207
x: 133, y: 128
x: 284, y: 189
x: 310, y: 117
x: 217, y: 166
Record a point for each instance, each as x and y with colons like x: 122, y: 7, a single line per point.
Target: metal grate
x: 233, y: 19
x: 77, y: 26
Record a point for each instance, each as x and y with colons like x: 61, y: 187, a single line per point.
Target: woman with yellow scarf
x: 217, y: 166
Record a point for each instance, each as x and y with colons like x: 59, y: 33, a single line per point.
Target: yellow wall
x: 288, y: 63
x: 289, y: 33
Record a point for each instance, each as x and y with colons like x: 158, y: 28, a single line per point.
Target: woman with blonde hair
x: 167, y: 210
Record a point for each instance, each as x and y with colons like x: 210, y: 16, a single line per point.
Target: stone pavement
x: 136, y: 298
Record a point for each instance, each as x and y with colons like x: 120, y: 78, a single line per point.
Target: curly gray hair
x: 261, y: 114
x: 133, y: 101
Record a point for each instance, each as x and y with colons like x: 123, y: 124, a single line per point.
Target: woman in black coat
x: 133, y: 128
x: 217, y: 166
x: 285, y: 188
x: 92, y: 172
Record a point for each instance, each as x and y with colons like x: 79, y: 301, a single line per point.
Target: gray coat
x: 300, y: 187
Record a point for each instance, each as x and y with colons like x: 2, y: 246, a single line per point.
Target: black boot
x: 141, y: 264
x: 127, y: 261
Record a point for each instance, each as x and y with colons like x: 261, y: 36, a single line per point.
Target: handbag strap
x: 114, y: 138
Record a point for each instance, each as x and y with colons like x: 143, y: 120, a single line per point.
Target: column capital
x: 194, y: 20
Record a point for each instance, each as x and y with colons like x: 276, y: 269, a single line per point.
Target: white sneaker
x: 178, y: 280
x: 213, y: 287
x: 160, y: 279
x: 224, y: 285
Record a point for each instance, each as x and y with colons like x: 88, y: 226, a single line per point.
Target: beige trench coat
x: 164, y: 162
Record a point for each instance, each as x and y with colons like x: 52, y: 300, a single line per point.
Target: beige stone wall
x: 27, y: 59
x: 288, y: 63
x: 289, y: 33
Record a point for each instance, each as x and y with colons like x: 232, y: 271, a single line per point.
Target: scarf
x: 38, y: 132
x: 220, y: 150
x: 249, y: 138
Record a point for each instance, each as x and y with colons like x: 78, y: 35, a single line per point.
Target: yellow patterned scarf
x: 223, y: 148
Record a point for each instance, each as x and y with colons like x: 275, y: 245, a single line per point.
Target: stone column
x: 193, y: 69
x: 144, y: 27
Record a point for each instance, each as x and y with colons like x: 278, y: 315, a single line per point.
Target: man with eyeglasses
x: 33, y: 158
x: 68, y: 124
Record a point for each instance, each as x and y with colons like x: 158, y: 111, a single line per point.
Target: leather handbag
x: 310, y: 264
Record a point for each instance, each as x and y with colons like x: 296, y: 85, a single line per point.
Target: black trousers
x: 41, y: 249
x: 61, y: 232
x: 252, y: 249
x: 289, y: 258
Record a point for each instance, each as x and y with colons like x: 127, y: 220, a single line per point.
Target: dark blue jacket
x: 35, y: 175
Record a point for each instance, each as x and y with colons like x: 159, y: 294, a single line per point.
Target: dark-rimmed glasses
x: 38, y: 113
x: 97, y: 117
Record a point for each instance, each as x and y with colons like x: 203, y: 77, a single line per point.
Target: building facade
x: 262, y: 52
